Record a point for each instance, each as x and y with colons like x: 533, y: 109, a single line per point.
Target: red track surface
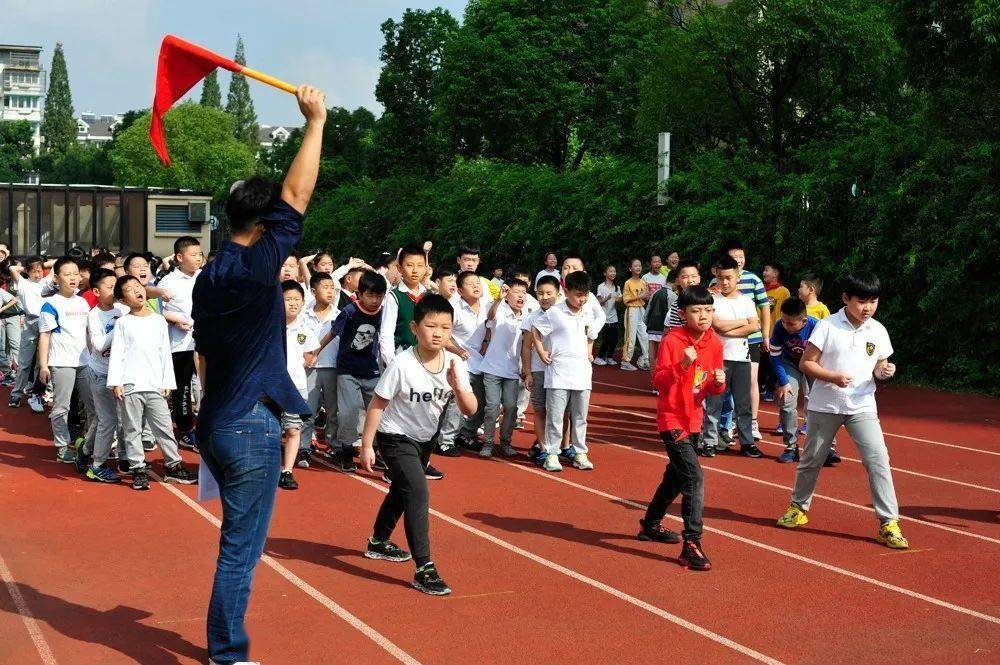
x: 545, y: 568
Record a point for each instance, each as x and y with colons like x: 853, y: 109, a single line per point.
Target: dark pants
x: 609, y: 341
x: 180, y: 399
x: 408, y: 495
x: 683, y: 476
x: 245, y: 459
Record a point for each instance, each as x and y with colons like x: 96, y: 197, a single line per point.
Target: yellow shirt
x: 818, y: 311
x: 633, y: 291
x: 775, y: 297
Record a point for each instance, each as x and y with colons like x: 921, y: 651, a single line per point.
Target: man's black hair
x: 694, y: 295
x: 517, y: 282
x: 551, y: 280
x: 793, y: 307
x: 578, y: 281
x: 685, y: 263
x: 468, y: 248
x: 318, y: 277
x: 861, y: 285
x: 66, y: 260
x: 411, y: 250
x: 372, y: 282
x: 120, y: 285
x: 432, y: 304
x: 731, y: 245
x: 725, y: 262
x: 292, y: 285
x: 249, y: 200
x: 442, y: 271
x: 184, y: 242
x: 97, y: 274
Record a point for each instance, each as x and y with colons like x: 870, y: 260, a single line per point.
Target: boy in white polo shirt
x: 571, y: 326
x: 846, y: 354
x: 500, y: 369
x: 300, y: 347
x: 532, y: 367
x: 466, y: 342
x: 31, y: 287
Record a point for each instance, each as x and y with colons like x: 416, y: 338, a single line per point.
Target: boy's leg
x: 180, y: 399
x: 26, y: 360
x: 314, y: 393
x: 63, y: 382
x: 742, y: 384
x: 106, y: 410
x: 350, y: 402
x: 131, y: 410
x: 538, y: 406
x: 866, y: 430
x: 642, y: 336
x: 12, y: 328
x: 157, y: 417
x: 726, y: 411
x: 408, y: 496
x: 523, y: 397
x: 493, y: 388
x: 291, y: 427
x: 789, y: 407
x: 85, y: 389
x: 822, y: 428
x: 509, y: 392
x: 328, y: 381
x: 471, y: 424
x: 687, y: 480
x: 628, y: 348
x: 754, y: 380
x: 710, y: 421
x: 556, y: 400
x: 579, y: 403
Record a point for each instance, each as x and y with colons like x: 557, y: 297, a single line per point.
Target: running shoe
x: 568, y: 454
x: 755, y: 431
x: 178, y: 473
x: 188, y: 441
x: 448, y: 451
x: 103, y: 474
x: 427, y: 580
x: 82, y: 458
x: 36, y: 404
x: 582, y: 462
x: 486, y: 450
x: 552, y: 463
x: 832, y: 458
x: 610, y: 362
x: 140, y: 481
x: 693, y: 557
x: 790, y: 454
x: 430, y: 473
x: 386, y: 551
x: 751, y: 451
x: 302, y: 459
x: 507, y: 450
x: 65, y: 455
x: 793, y: 517
x: 599, y: 362
x: 767, y: 395
x: 536, y: 455
x: 148, y: 445
x: 779, y: 429
x: 520, y: 423
x: 654, y: 532
x: 706, y: 451
x: 124, y: 468
x: 727, y: 435
x: 628, y: 367
x: 803, y: 429
x: 890, y: 535
x: 347, y: 464
x: 287, y: 481
x: 14, y: 403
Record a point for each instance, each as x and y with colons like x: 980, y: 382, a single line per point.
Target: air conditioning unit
x: 198, y: 212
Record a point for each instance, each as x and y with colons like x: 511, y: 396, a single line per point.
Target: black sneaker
x: 433, y: 474
x: 450, y: 451
x: 123, y: 467
x: 832, y: 458
x: 693, y: 557
x: 751, y: 451
x: 302, y: 459
x: 467, y: 443
x: 287, y: 481
x: 386, y: 551
x: 706, y: 451
x: 83, y: 460
x: 139, y: 480
x: 726, y: 436
x: 346, y: 461
x: 178, y: 473
x: 14, y: 403
x: 427, y: 580
x: 188, y: 441
x: 379, y: 463
x: 654, y: 532
x: 149, y: 446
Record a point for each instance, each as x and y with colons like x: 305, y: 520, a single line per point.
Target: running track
x: 544, y: 567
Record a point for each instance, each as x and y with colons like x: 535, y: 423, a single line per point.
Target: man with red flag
x: 239, y: 328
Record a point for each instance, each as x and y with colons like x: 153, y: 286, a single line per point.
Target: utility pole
x: 662, y: 167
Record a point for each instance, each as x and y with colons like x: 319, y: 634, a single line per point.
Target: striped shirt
x: 752, y: 287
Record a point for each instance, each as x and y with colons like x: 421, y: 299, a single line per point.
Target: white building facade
x: 22, y: 86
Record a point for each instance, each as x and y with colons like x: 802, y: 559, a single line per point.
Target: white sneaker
x: 643, y: 365
x: 755, y: 431
x: 628, y: 367
x: 599, y: 362
x: 582, y: 462
x: 552, y: 463
x: 610, y: 362
x: 36, y: 404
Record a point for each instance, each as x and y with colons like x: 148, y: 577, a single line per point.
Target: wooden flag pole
x: 270, y: 80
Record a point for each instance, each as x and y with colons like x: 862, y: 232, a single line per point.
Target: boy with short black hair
x: 400, y: 302
x: 501, y: 371
x: 468, y: 261
x: 688, y: 370
x: 532, y: 367
x: 31, y: 286
x: 321, y: 376
x: 788, y: 341
x: 846, y: 355
x: 810, y: 287
x: 467, y: 337
x: 776, y: 293
x: 445, y: 282
x: 403, y: 420
x: 300, y: 348
x: 685, y: 275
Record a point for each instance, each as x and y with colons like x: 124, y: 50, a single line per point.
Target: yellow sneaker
x: 793, y: 517
x: 890, y: 535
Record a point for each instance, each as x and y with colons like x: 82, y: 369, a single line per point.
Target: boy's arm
x: 305, y: 274
x: 44, y: 339
x: 116, y: 362
x: 167, y: 378
x: 458, y: 379
x: 387, y: 331
x: 536, y: 338
x: 764, y: 305
x: 527, y: 341
x: 372, y: 418
x: 13, y: 302
x: 669, y: 368
x: 810, y: 366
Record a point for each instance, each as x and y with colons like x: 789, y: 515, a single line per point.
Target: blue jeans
x: 245, y: 459
x: 726, y: 418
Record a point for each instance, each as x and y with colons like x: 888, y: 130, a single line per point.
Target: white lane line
x: 775, y: 413
x: 617, y: 593
x: 771, y: 548
x: 41, y: 645
x: 895, y: 469
x: 356, y: 623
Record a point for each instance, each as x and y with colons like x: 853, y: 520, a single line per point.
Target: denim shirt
x: 239, y: 325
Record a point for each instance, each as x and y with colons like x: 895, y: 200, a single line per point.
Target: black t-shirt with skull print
x: 357, y: 355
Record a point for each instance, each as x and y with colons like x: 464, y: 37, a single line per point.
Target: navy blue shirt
x: 789, y: 347
x: 239, y: 325
x: 358, y: 330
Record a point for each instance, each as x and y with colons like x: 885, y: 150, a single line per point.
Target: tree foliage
x: 16, y: 148
x: 239, y: 104
x: 211, y: 94
x: 58, y: 124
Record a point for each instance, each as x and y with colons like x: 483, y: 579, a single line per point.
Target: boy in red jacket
x: 688, y: 368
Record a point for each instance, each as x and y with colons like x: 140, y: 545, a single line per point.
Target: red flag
x: 181, y: 65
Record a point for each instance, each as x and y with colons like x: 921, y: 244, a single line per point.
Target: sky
x: 111, y: 45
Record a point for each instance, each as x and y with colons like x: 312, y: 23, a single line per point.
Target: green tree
x: 406, y: 137
x: 16, y: 148
x: 205, y: 154
x: 239, y: 104
x: 79, y: 164
x: 211, y: 94
x: 58, y: 124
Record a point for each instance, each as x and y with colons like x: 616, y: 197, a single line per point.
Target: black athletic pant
x: 683, y: 476
x: 408, y: 495
x: 180, y: 399
x: 609, y: 341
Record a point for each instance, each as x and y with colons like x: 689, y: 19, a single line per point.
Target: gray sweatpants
x: 152, y: 408
x: 450, y: 425
x: 107, y: 423
x: 64, y: 381
x: 500, y: 392
x: 790, y: 407
x: 523, y: 397
x: 10, y: 342
x: 27, y: 369
x: 321, y: 388
x: 353, y: 396
x: 866, y: 431
x: 471, y: 424
x: 557, y: 400
x: 738, y: 379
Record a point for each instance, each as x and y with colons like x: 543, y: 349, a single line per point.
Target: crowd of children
x: 408, y: 359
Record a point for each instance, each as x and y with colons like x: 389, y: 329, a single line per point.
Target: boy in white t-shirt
x: 501, y: 371
x: 735, y: 320
x: 846, y: 354
x: 468, y: 333
x: 404, y: 420
x: 62, y: 353
x: 300, y: 347
x: 532, y: 367
x: 609, y: 295
x: 570, y: 329
x: 141, y: 376
x: 321, y: 377
x: 31, y: 287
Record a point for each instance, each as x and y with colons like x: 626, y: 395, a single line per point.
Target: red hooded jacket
x: 683, y: 389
